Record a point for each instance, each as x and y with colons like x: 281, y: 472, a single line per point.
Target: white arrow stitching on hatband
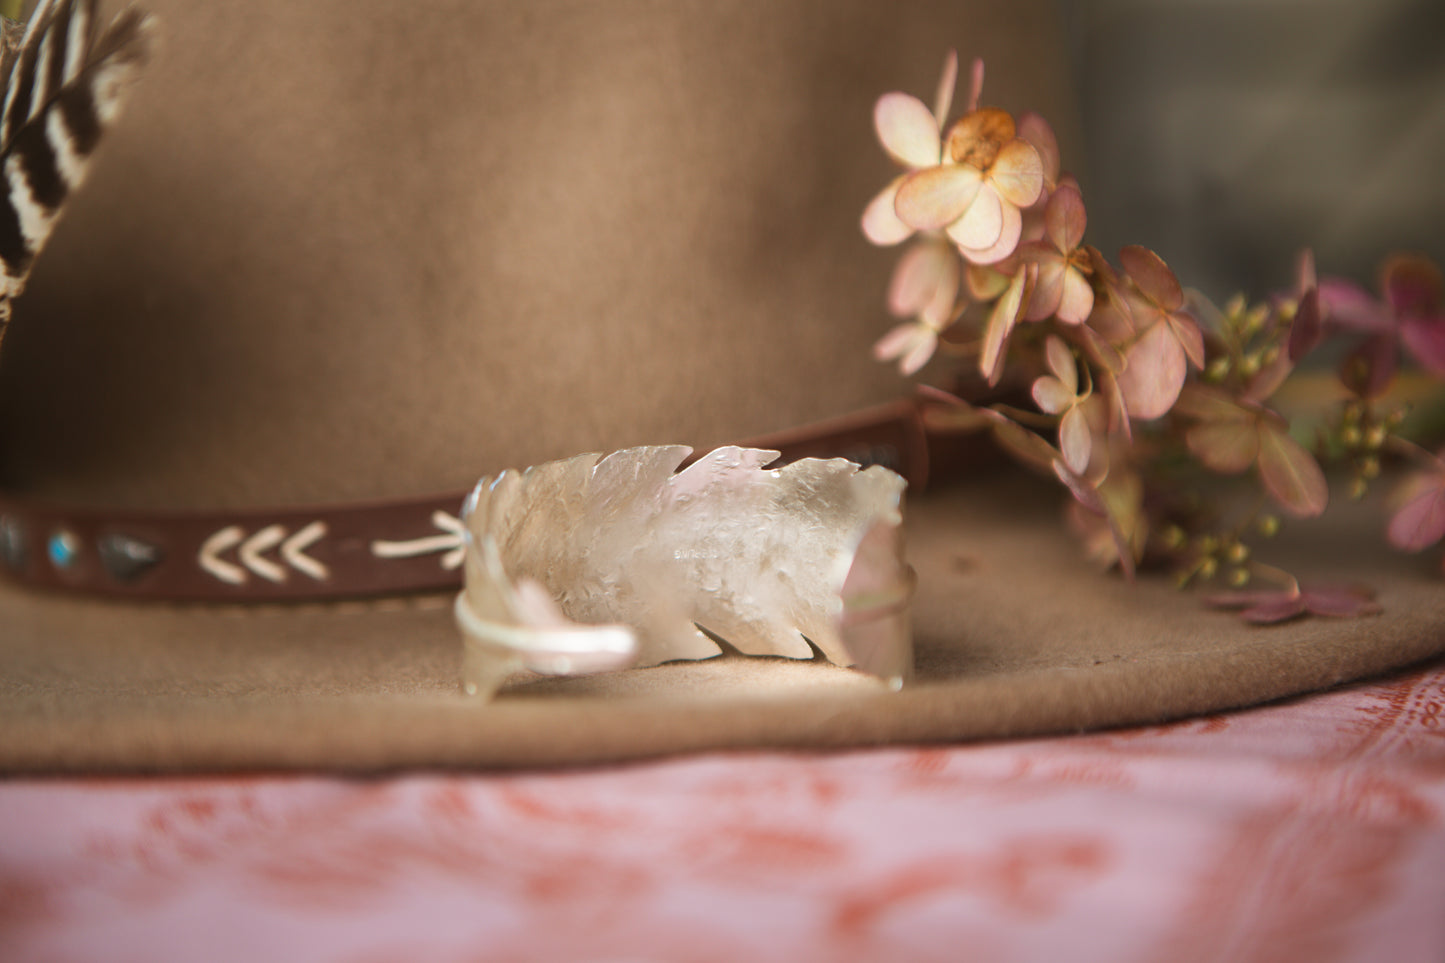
x: 293, y: 551
x: 451, y: 543
x: 252, y: 551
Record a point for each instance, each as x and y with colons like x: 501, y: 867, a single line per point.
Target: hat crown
x: 344, y: 250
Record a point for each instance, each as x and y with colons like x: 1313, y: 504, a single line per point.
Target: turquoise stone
x: 63, y: 549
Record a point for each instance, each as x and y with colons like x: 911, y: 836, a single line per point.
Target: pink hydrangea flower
x: 1058, y: 393
x: 1165, y: 340
x: 976, y: 195
x: 1063, y: 289
x: 912, y: 135
x: 924, y: 289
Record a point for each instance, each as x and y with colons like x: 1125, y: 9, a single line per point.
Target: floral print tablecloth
x: 1313, y: 830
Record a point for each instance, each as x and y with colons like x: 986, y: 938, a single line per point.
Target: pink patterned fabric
x: 1309, y: 831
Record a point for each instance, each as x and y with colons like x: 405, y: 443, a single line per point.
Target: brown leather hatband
x: 333, y: 551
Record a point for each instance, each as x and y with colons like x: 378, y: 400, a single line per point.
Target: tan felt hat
x: 340, y: 259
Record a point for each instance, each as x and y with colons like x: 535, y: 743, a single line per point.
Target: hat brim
x: 1015, y: 636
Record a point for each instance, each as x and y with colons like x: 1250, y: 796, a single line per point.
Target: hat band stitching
x: 396, y: 547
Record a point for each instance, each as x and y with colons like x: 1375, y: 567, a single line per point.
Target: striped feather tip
x: 64, y: 86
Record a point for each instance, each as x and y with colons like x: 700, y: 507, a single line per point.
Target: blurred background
x: 1228, y: 134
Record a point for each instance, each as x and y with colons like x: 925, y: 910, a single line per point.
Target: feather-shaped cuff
x: 596, y: 563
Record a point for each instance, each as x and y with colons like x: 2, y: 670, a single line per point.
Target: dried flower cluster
x: 1142, y: 385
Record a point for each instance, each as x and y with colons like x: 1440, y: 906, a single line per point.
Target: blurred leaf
x: 1420, y: 522
x: 1268, y: 607
x: 1290, y: 473
x: 1208, y: 404
x: 1307, y: 329
x: 1227, y: 447
x: 1412, y: 285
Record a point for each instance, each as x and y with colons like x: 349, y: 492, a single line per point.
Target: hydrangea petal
x: 914, y: 360
x: 1017, y: 173
x: 1061, y: 362
x: 1075, y: 440
x: 975, y: 83
x: 1370, y: 366
x: 982, y: 223
x: 1340, y: 602
x: 1305, y: 275
x: 1412, y: 285
x: 1018, y: 441
x: 985, y: 282
x: 907, y: 130
x: 1065, y: 219
x: 1345, y: 304
x: 936, y: 197
x: 1034, y: 129
x: 1420, y: 522
x: 921, y: 270
x: 911, y: 345
x: 1191, y: 339
x: 1291, y: 474
x: 939, y: 312
x: 1084, y: 492
x: 1306, y: 330
x: 1152, y: 276
x: 1000, y: 324
x: 1210, y: 404
x: 1153, y: 375
x: 1282, y: 608
x: 1049, y: 290
x: 1077, y: 302
x: 1269, y: 379
x: 1051, y: 395
x: 1425, y: 337
x: 881, y: 223
x: 947, y: 82
x: 1008, y: 239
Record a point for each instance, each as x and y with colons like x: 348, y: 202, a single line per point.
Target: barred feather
x: 63, y: 88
